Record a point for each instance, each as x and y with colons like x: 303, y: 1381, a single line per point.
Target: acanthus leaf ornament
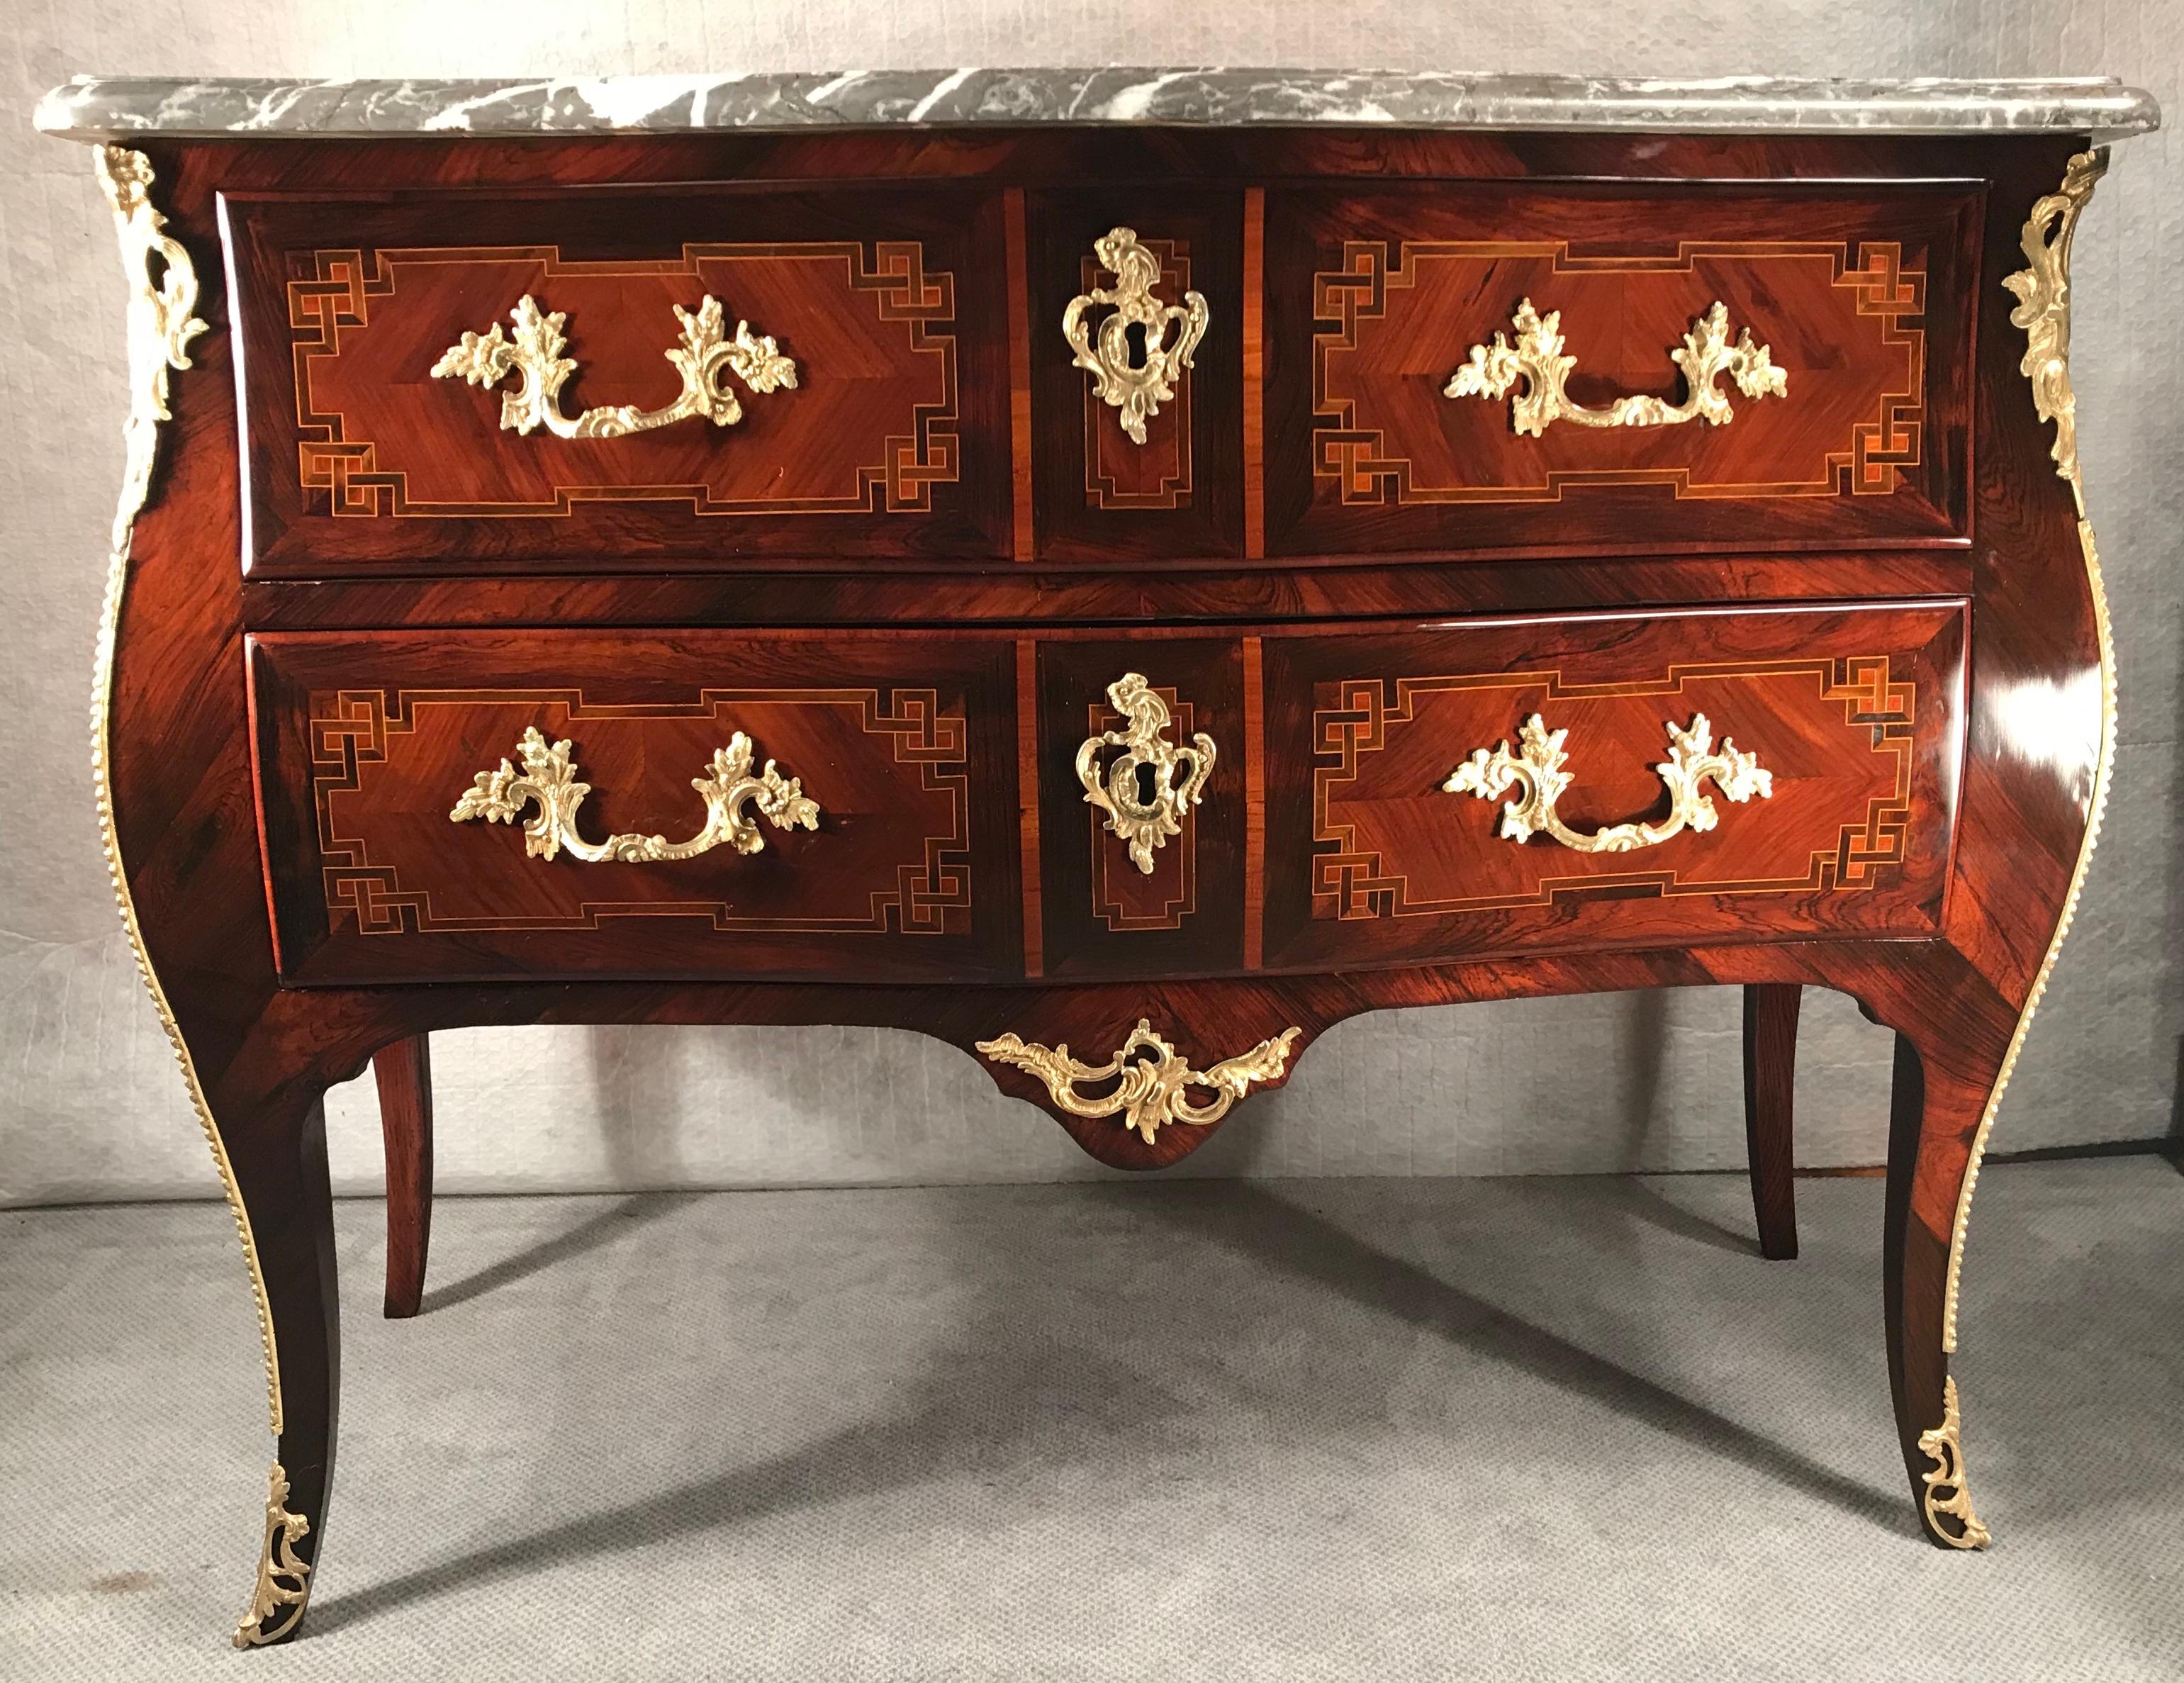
x: 163, y: 319
x: 1538, y: 360
x: 1136, y: 381
x: 2043, y: 308
x: 1945, y: 1495
x: 1152, y: 1079
x: 1145, y: 810
x: 2043, y: 311
x: 704, y: 358
x: 1536, y: 772
x: 548, y: 780
x: 284, y: 1577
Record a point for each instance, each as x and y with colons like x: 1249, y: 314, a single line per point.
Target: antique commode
x: 1117, y: 569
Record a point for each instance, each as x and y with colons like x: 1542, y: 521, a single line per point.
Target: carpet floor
x: 1359, y: 1430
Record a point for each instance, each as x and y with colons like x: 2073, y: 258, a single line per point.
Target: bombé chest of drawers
x: 1120, y: 571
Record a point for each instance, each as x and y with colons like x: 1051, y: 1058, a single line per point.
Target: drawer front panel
x: 1695, y: 777
x: 378, y: 433
x: 1606, y: 403
x: 1104, y: 496
x: 1165, y: 719
x: 370, y: 744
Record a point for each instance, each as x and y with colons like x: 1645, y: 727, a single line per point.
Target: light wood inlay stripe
x: 1034, y: 930
x: 1013, y: 216
x: 1255, y: 807
x: 1255, y: 373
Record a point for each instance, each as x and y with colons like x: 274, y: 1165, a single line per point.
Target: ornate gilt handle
x: 1120, y: 791
x: 1539, y: 771
x: 1152, y: 1092
x: 1537, y: 358
x: 549, y: 779
x: 704, y: 358
x: 1135, y: 381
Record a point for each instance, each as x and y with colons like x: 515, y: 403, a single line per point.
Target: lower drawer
x: 487, y: 804
x: 1609, y: 780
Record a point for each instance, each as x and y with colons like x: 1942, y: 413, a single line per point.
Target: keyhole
x: 1145, y: 784
x: 1133, y: 336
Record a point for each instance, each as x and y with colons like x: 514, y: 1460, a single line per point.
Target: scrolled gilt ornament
x: 1945, y: 1495
x: 1137, y: 387
x: 704, y: 358
x: 1538, y: 359
x: 548, y: 780
x: 1144, y: 824
x: 1537, y: 772
x: 162, y: 318
x: 2044, y: 307
x: 284, y: 1578
x: 1152, y: 1079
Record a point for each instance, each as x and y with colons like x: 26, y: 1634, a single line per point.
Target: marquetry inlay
x: 386, y: 889
x: 906, y: 433
x: 1855, y: 424
x: 1852, y: 850
x: 1120, y: 473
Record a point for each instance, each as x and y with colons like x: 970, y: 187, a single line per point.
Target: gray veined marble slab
x: 93, y: 108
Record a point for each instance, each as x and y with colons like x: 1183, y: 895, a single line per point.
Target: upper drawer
x: 650, y: 829
x: 589, y: 406
x: 1476, y: 365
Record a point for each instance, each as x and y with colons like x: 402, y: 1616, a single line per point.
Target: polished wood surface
x: 1861, y: 297
x: 1099, y: 499
x: 1979, y: 600
x: 404, y: 1075
x: 890, y: 443
x: 1850, y: 710
x: 906, y: 745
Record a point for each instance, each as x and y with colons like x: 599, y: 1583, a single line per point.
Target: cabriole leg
x: 403, y: 1071
x: 1770, y: 1067
x: 278, y: 1150
x: 1939, y: 1098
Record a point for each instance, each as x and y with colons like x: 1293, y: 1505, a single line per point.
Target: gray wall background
x: 91, y: 1106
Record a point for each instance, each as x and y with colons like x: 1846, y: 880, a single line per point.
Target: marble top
x: 96, y: 107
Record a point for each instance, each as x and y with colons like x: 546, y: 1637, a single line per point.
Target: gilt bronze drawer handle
x: 1137, y: 789
x: 1139, y: 380
x: 1151, y: 1092
x: 1539, y: 769
x: 704, y: 358
x: 1537, y: 358
x: 549, y: 777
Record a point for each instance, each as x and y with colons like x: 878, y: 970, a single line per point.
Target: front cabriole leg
x: 278, y: 1148
x: 1946, y: 1073
x: 171, y: 764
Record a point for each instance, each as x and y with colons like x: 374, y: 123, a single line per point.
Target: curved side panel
x: 2043, y: 311
x: 162, y: 321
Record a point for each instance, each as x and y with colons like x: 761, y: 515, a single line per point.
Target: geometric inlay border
x: 1104, y: 437
x: 1110, y: 861
x: 1367, y: 471
x: 1350, y: 882
x: 350, y: 730
x: 340, y: 291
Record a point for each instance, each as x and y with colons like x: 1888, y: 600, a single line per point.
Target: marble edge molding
x: 95, y: 108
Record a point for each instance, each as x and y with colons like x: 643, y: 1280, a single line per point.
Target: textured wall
x: 90, y: 1104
